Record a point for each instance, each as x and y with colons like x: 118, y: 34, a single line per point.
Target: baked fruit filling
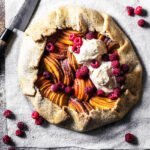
x: 81, y: 71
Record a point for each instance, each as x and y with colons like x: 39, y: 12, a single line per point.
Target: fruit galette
x: 79, y: 69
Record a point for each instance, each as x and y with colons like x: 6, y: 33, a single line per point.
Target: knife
x: 20, y: 21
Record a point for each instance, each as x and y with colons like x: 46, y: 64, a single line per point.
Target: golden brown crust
x: 80, y: 19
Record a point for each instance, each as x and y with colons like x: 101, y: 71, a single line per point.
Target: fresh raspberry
x: 60, y: 85
x: 72, y: 36
x: 95, y: 63
x: 21, y: 125
x: 125, y: 68
x: 114, y: 56
x: 84, y: 71
x: 90, y: 35
x: 129, y: 137
x: 55, y: 88
x: 7, y: 113
x: 115, y: 64
x: 112, y: 96
x: 138, y: 10
x: 130, y: 10
x: 7, y: 139
x: 120, y: 79
x: 105, y: 57
x: 46, y: 74
x: 78, y: 74
x: 19, y: 132
x: 50, y: 47
x: 39, y: 121
x: 78, y: 41
x: 141, y: 22
x: 88, y: 90
x: 69, y: 90
x: 117, y: 91
x: 11, y: 148
x: 116, y: 72
x: 76, y: 48
x: 100, y: 93
x: 35, y: 115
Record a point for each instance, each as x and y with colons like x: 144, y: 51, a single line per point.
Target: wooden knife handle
x: 5, y: 38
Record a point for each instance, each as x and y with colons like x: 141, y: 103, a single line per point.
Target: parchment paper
x: 111, y: 136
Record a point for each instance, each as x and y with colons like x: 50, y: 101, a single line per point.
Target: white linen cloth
x: 110, y: 136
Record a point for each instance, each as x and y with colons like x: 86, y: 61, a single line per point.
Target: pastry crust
x: 80, y: 19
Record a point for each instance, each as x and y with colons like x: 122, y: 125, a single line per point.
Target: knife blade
x: 20, y: 21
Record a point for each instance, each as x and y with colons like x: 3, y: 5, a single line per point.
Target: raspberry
x: 21, y: 125
x: 50, y: 47
x: 60, y: 85
x: 141, y: 22
x: 39, y: 121
x: 7, y: 113
x: 19, y: 133
x: 46, y: 74
x: 100, y: 93
x: 129, y: 137
x: 112, y: 96
x: 115, y: 64
x: 116, y: 72
x: 35, y: 115
x: 117, y: 91
x: 7, y: 139
x: 78, y: 74
x: 90, y: 35
x: 125, y: 68
x: 138, y: 10
x: 114, y: 56
x: 95, y: 63
x: 69, y: 90
x: 84, y: 71
x: 76, y: 49
x: 130, y: 10
x: 120, y: 79
x: 78, y: 41
x: 55, y: 88
x: 105, y: 57
x: 72, y: 36
x: 88, y: 90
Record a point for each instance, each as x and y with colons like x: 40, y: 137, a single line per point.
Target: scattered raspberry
x: 69, y: 90
x: 21, y: 125
x: 90, y: 35
x: 35, y: 115
x: 129, y: 137
x: 120, y: 79
x: 88, y: 90
x: 50, y: 47
x: 114, y: 56
x: 72, y: 36
x: 84, y: 71
x: 78, y: 41
x: 105, y: 57
x: 95, y: 63
x: 11, y: 148
x: 46, y: 74
x: 19, y: 133
x: 78, y: 74
x: 141, y: 22
x: 39, y: 121
x: 138, y: 10
x: 115, y: 64
x: 130, y: 10
x: 60, y: 85
x: 76, y: 48
x: 117, y: 91
x: 125, y: 68
x: 7, y: 113
x: 116, y: 72
x: 100, y: 93
x: 7, y: 139
x: 55, y: 88
x: 112, y: 96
